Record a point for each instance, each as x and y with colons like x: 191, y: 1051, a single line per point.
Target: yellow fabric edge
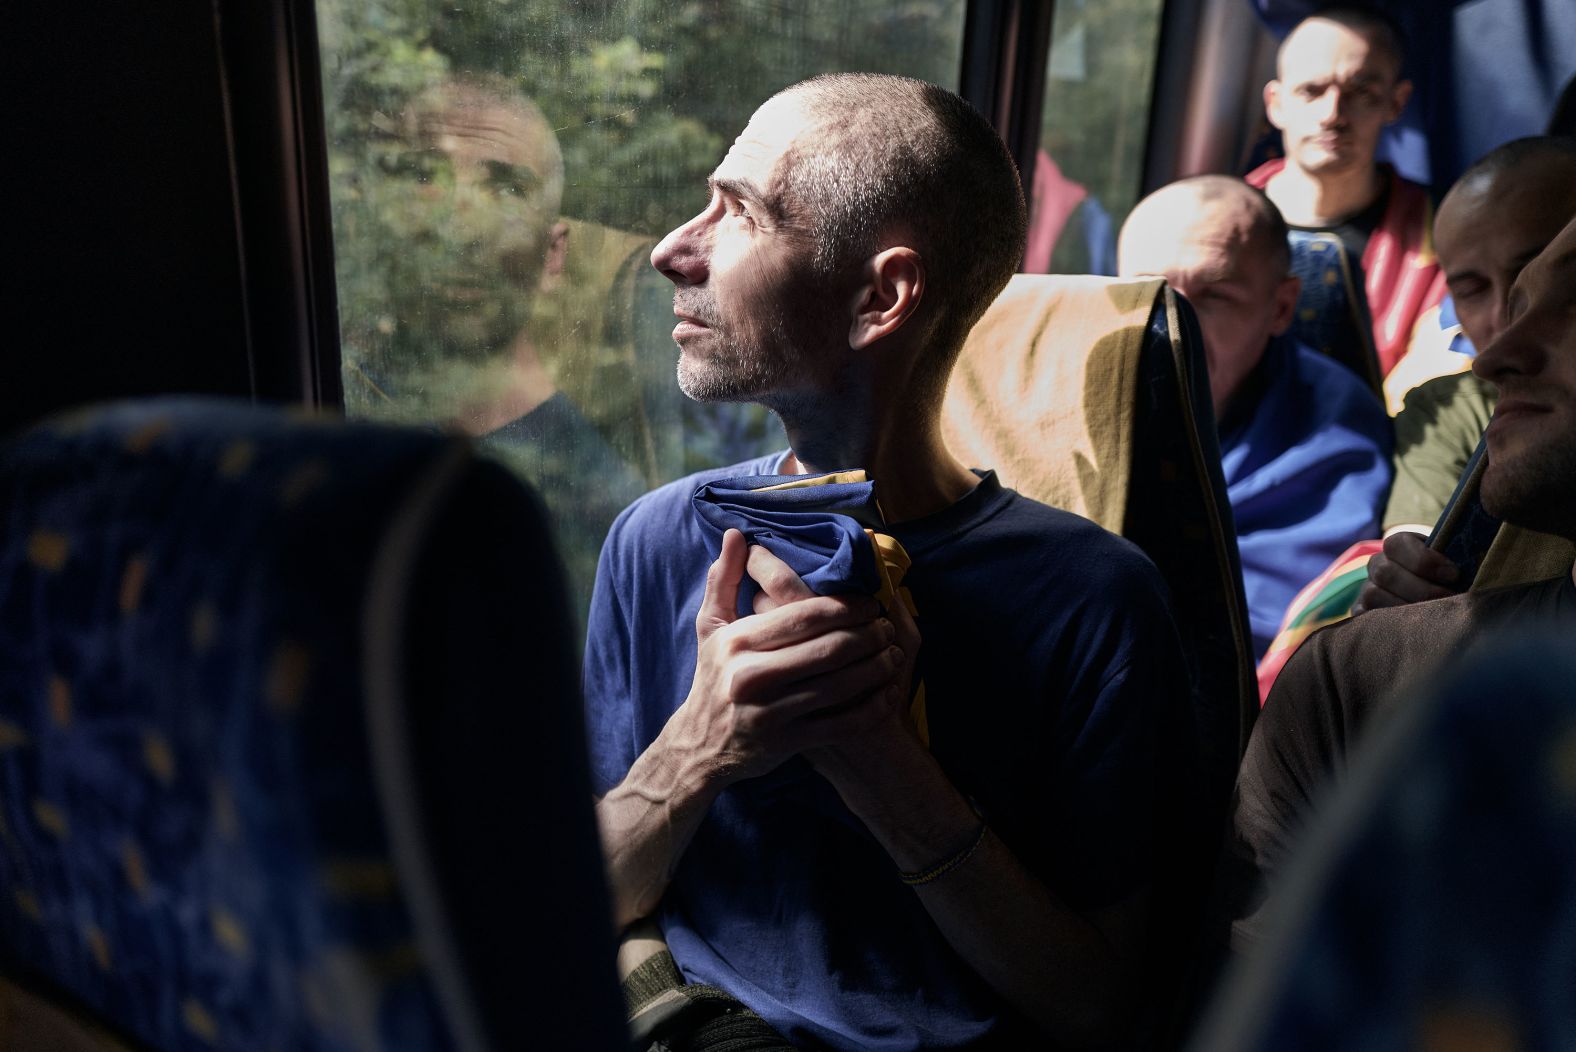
x: 835, y: 478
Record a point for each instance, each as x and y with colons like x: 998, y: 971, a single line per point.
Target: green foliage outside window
x: 450, y: 278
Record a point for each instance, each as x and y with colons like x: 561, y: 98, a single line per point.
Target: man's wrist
x: 904, y: 798
x: 679, y: 761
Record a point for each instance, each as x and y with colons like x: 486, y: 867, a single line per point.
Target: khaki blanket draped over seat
x: 1017, y: 393
x: 1522, y: 556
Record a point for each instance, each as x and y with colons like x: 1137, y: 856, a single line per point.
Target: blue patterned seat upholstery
x: 290, y: 751
x: 1434, y: 905
x: 1332, y: 308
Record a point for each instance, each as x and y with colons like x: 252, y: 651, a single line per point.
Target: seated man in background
x: 1338, y: 83
x: 874, y: 892
x: 1501, y: 213
x: 1343, y: 676
x: 1304, y: 444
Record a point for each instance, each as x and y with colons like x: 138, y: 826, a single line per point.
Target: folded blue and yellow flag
x: 828, y: 528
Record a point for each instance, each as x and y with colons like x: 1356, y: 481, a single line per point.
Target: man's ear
x: 894, y: 284
x: 1398, y: 99
x: 557, y: 249
x: 1285, y: 303
x: 1272, y: 90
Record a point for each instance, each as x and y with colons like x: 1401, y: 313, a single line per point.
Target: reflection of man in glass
x: 450, y: 226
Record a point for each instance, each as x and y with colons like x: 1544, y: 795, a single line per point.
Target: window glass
x: 1090, y: 163
x: 500, y: 172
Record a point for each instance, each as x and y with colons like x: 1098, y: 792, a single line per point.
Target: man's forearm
x: 646, y: 822
x: 1054, y: 965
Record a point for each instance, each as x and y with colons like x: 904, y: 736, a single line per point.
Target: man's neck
x: 514, y: 386
x: 1240, y: 405
x: 899, y: 447
x: 1309, y: 200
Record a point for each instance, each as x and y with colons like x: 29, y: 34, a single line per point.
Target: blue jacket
x: 1307, y: 474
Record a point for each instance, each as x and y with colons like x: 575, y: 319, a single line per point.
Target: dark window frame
x: 273, y: 100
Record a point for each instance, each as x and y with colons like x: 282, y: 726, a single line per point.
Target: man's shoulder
x: 658, y: 508
x: 1439, y: 397
x: 1410, y: 212
x: 1387, y: 649
x: 659, y: 537
x: 1339, y: 409
x: 1056, y: 527
x: 1106, y: 564
x: 1334, y: 392
x: 1316, y: 417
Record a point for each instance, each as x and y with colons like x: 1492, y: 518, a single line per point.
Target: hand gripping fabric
x: 827, y: 528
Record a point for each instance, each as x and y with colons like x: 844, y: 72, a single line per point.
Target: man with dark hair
x: 1498, y: 215
x: 864, y: 866
x: 1344, y: 677
x: 1338, y: 83
x: 1304, y: 445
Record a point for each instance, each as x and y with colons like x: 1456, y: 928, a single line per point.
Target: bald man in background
x: 1305, y: 446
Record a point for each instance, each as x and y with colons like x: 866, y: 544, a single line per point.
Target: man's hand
x: 1058, y: 967
x: 766, y: 687
x: 780, y: 586
x: 1407, y: 571
x: 789, y: 678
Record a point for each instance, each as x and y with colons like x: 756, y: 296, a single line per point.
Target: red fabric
x: 1401, y: 275
x: 1054, y: 198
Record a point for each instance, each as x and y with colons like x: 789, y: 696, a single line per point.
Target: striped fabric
x: 1326, y: 599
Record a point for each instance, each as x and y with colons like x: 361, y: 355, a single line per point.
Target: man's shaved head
x: 1382, y: 33
x: 1222, y: 244
x: 832, y: 183
x: 901, y: 159
x: 1218, y: 201
x: 1532, y: 151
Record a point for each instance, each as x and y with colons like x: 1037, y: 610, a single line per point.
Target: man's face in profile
x: 751, y: 318
x: 1531, y: 475
x: 454, y: 220
x: 1333, y: 94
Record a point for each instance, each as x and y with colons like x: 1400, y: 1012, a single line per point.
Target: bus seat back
x: 1432, y: 901
x: 223, y: 696
x: 1089, y: 394
x: 1332, y: 308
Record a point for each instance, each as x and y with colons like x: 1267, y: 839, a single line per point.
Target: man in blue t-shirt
x: 763, y: 792
x: 1304, y: 444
